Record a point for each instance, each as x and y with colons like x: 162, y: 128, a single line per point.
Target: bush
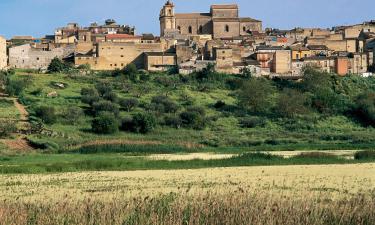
x: 131, y: 72
x: 105, y: 106
x: 72, y: 115
x: 89, y: 96
x: 140, y: 123
x: 365, y: 155
x: 105, y: 123
x: 256, y: 95
x: 173, y: 121
x: 16, y: 87
x: 194, y: 118
x: 58, y: 66
x: 47, y: 114
x: 252, y: 122
x: 291, y: 103
x: 219, y: 104
x: 129, y: 103
x: 103, y: 88
x: 7, y: 128
x: 164, y: 104
x: 364, y: 108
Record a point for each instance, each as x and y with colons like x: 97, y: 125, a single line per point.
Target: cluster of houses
x: 191, y: 41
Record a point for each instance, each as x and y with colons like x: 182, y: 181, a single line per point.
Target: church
x: 221, y: 22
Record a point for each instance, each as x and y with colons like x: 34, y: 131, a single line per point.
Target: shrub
x: 105, y: 123
x: 129, y: 103
x: 105, y: 106
x: 291, y: 103
x: 315, y: 155
x: 89, y: 96
x: 111, y: 96
x: 58, y: 66
x: 256, y: 95
x: 16, y: 87
x: 72, y: 115
x: 194, y: 118
x: 7, y: 128
x: 140, y: 123
x: 47, y: 114
x: 252, y: 122
x: 164, y: 104
x: 104, y: 88
x: 219, y: 104
x: 364, y: 108
x: 131, y: 72
x: 173, y: 121
x: 365, y: 155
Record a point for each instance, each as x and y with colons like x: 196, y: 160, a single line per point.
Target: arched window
x: 244, y: 29
x: 170, y: 12
x: 227, y: 28
x: 179, y: 28
x: 200, y: 29
x: 190, y: 30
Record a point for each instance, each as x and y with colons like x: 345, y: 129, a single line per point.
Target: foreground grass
x: 239, y: 208
x: 122, y: 162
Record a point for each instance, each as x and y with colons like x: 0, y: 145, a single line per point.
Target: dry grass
x: 327, y: 194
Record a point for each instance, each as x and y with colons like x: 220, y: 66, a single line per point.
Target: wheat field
x: 246, y: 195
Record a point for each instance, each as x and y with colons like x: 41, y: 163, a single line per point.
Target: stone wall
x: 225, y: 28
x: 3, y: 53
x: 26, y: 57
x: 159, y: 61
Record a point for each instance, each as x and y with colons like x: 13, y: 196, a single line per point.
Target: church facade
x: 222, y: 21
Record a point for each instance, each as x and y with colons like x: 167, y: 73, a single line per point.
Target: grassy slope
x: 328, y: 133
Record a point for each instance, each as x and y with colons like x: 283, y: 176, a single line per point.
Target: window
x: 305, y: 55
x: 110, y: 64
x: 223, y: 58
x: 223, y: 51
x: 200, y: 29
x: 179, y: 28
x: 227, y: 28
x: 37, y: 58
x: 244, y: 29
x: 190, y: 30
x: 170, y: 12
x: 122, y: 56
x: 115, y: 64
x: 297, y: 56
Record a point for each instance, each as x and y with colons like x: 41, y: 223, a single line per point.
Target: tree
x: 194, y: 117
x: 246, y: 73
x: 129, y: 103
x: 207, y: 72
x: 142, y: 123
x: 257, y: 95
x: 16, y: 87
x: 131, y: 72
x: 105, y: 123
x: 364, y: 108
x: 72, y: 115
x: 105, y: 106
x: 164, y: 104
x: 57, y: 66
x: 89, y: 96
x: 47, y: 114
x: 291, y: 103
x: 7, y: 128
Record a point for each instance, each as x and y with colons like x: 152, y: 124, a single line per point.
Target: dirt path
x: 20, y: 143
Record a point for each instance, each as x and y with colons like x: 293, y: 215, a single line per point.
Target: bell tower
x: 167, y: 18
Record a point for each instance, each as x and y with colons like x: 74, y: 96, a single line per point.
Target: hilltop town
x: 191, y: 41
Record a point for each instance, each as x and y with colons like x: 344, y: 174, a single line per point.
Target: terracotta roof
x: 224, y: 6
x: 121, y: 36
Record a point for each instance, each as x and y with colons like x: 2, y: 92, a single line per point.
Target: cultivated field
x: 312, y: 186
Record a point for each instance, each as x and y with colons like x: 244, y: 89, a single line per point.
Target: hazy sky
x: 40, y: 17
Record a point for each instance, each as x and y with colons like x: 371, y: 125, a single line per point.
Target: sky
x: 41, y: 17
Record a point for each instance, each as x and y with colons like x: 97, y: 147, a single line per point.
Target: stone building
x: 224, y: 59
x: 159, y: 61
x: 27, y: 57
x: 3, y: 53
x: 282, y: 62
x: 222, y: 21
x: 110, y: 56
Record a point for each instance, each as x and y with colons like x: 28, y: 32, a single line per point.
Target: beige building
x: 3, y: 53
x: 282, y: 62
x: 110, y: 56
x: 222, y: 21
x: 159, y: 61
x: 224, y: 59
